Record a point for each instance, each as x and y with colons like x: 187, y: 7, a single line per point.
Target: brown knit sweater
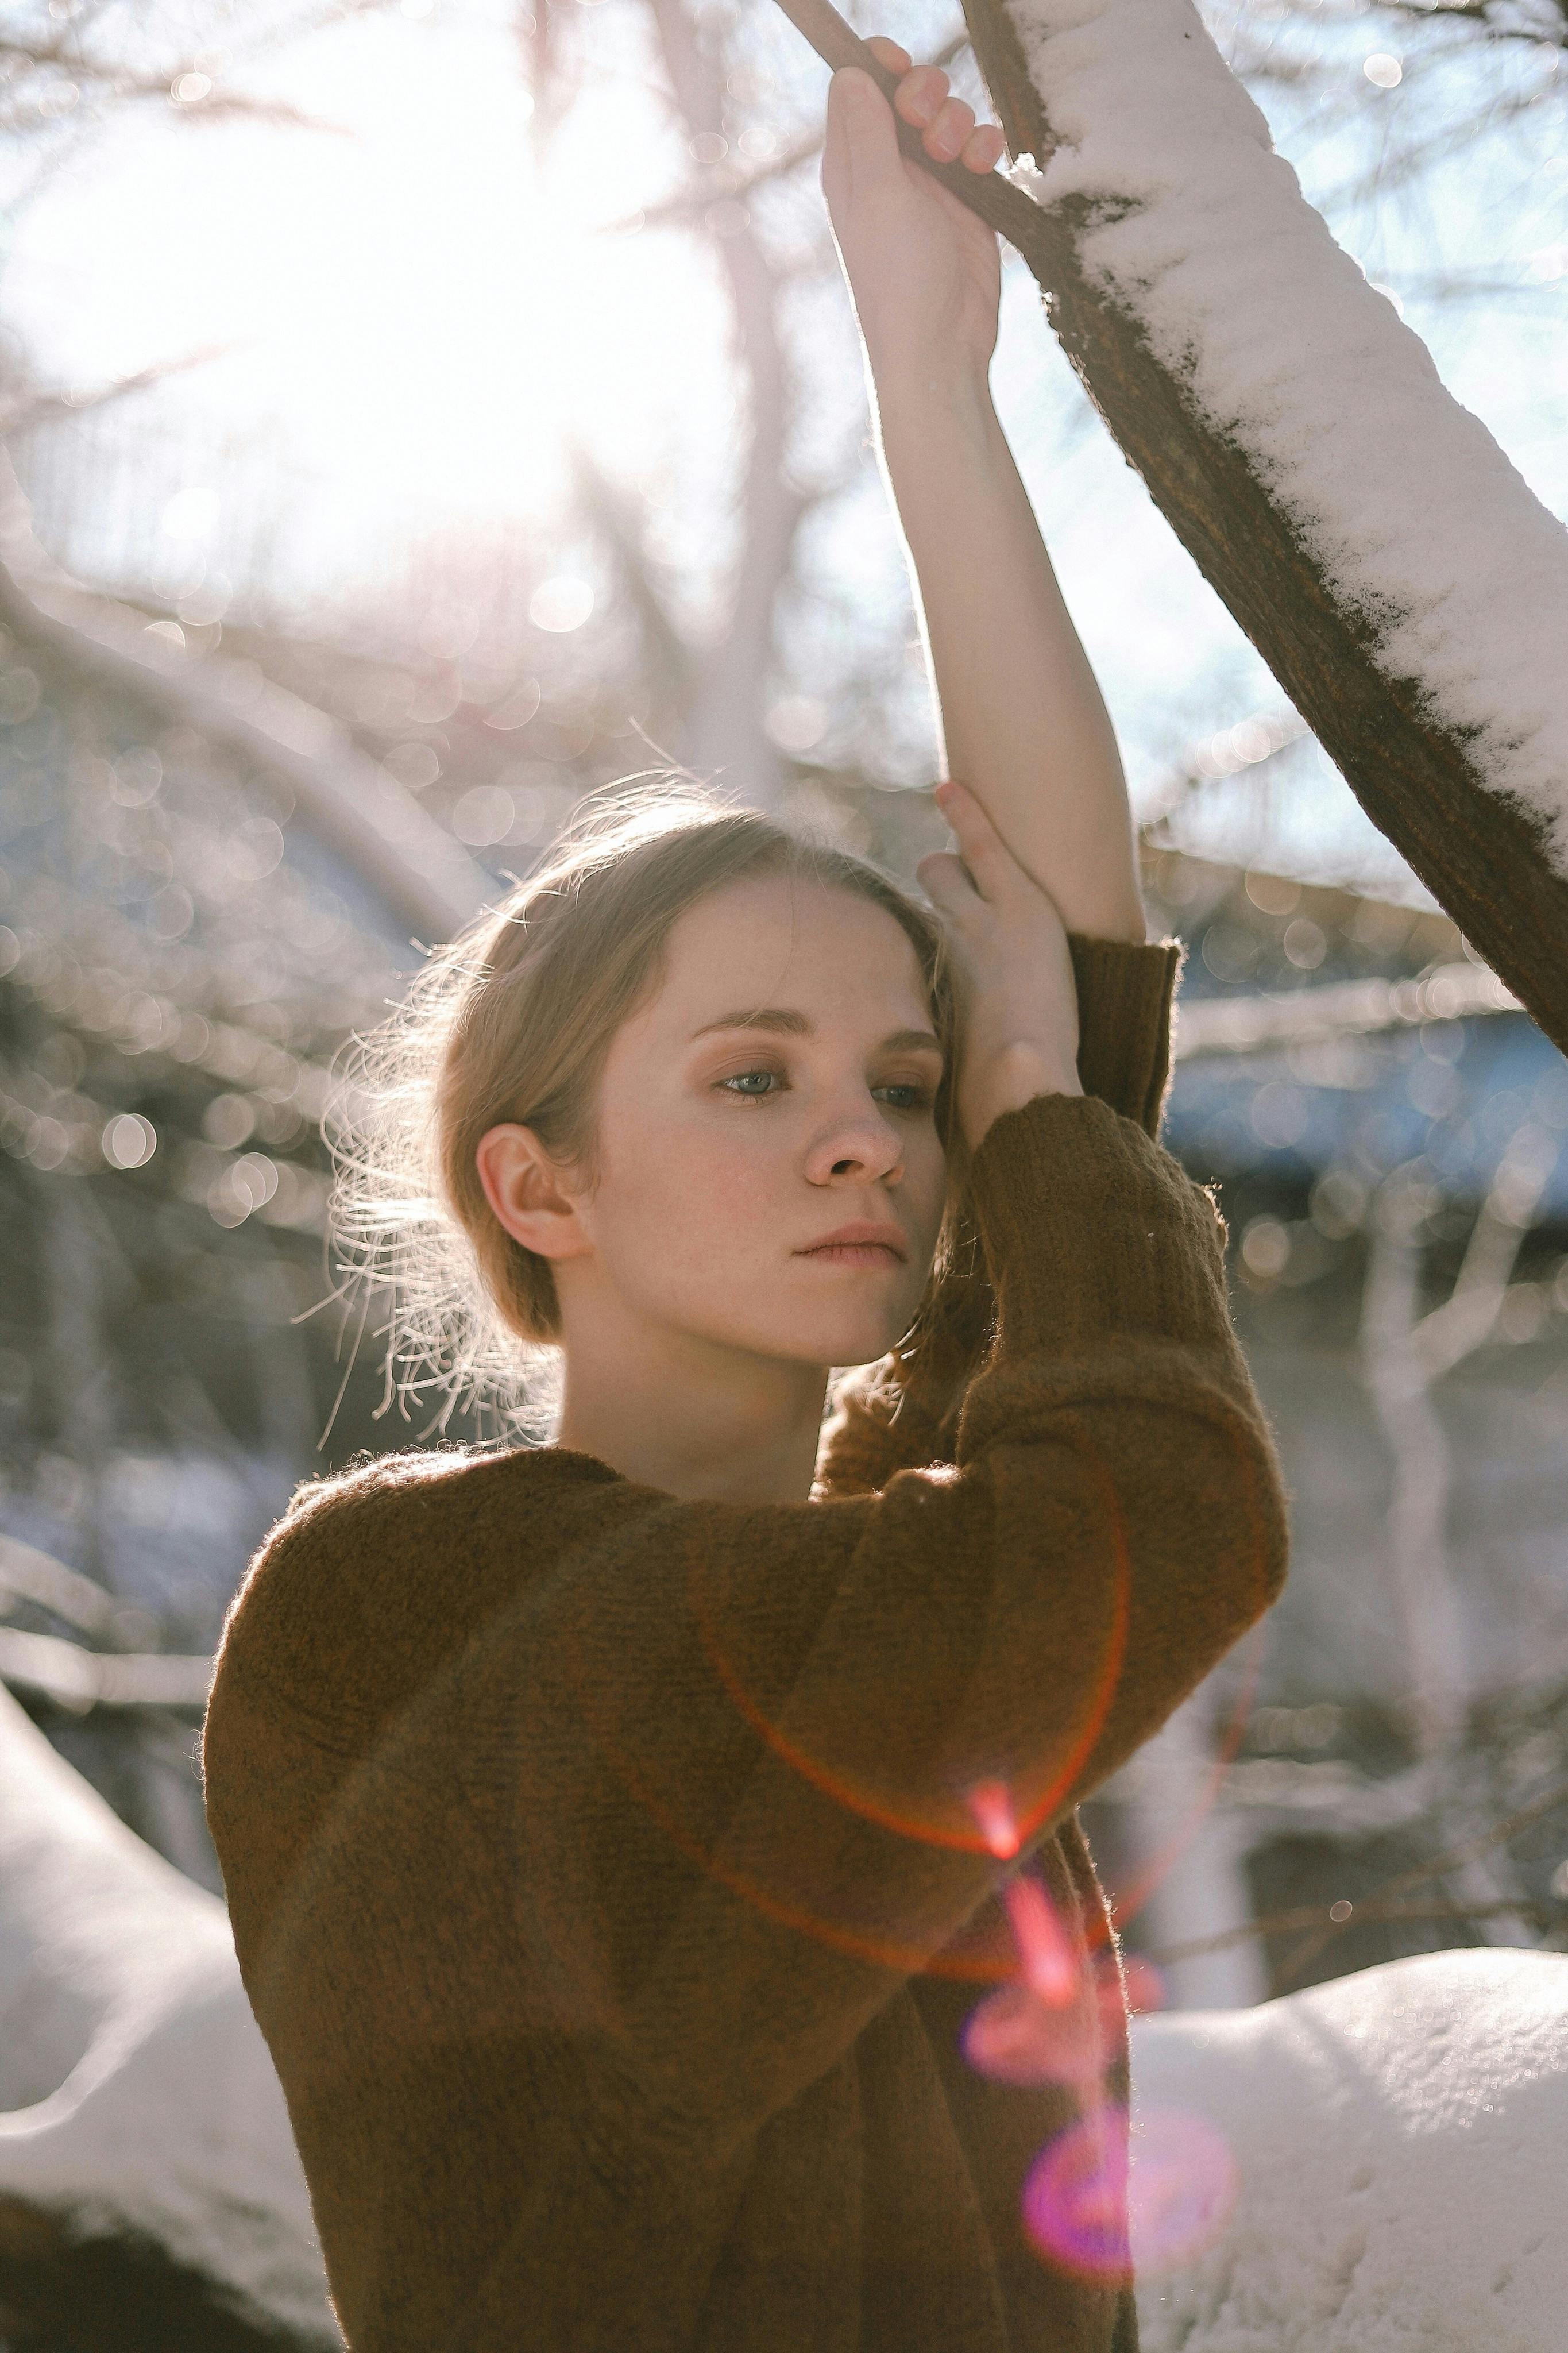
x: 598, y: 1864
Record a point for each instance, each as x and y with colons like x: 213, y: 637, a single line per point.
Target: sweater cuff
x: 1125, y: 993
x: 1089, y: 1229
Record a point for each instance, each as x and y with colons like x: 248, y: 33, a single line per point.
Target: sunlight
x: 425, y: 321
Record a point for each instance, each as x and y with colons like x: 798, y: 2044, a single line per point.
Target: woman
x: 611, y: 1828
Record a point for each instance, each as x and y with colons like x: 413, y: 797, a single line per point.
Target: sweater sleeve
x: 694, y: 1806
x: 903, y: 1410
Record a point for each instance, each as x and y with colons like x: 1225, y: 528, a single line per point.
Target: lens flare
x: 991, y: 1803
x: 1015, y: 2038
x: 1075, y: 2199
x: 1050, y: 1966
x: 1085, y: 2209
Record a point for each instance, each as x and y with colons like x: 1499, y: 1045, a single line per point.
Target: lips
x: 860, y: 1243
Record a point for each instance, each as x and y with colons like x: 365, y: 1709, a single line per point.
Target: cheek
x: 672, y: 1186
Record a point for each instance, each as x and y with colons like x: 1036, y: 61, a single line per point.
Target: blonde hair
x: 513, y: 1021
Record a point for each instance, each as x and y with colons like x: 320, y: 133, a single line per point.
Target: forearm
x: 1021, y: 716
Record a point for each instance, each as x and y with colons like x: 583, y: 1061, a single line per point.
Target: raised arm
x: 1021, y: 717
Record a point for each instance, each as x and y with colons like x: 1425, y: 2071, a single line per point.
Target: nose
x: 860, y: 1143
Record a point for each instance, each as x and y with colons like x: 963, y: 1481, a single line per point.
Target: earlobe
x: 528, y: 1194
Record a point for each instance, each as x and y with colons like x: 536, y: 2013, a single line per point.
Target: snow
x: 1415, y: 515
x: 135, y: 2090
x: 1401, y: 2138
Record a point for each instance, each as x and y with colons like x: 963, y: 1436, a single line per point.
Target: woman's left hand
x: 924, y: 272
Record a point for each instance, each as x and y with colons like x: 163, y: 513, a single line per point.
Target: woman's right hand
x: 924, y: 271
x: 1017, y: 1001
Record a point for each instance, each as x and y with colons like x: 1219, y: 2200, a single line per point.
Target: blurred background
x: 416, y: 416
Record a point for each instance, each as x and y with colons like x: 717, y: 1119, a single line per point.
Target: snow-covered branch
x: 1403, y: 582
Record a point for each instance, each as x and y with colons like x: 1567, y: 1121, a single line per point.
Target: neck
x: 699, y: 1420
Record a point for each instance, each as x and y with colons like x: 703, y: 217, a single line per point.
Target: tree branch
x: 1483, y: 856
x: 345, y: 797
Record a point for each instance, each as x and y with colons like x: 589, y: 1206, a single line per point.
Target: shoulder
x: 395, y: 1497
x: 388, y: 1562
x: 374, y: 1494
x: 358, y: 1509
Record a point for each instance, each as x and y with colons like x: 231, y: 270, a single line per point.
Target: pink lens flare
x: 1015, y: 2038
x: 1085, y: 2210
x: 991, y: 1804
x: 1050, y: 1966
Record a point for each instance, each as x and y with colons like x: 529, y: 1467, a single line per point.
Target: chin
x: 834, y: 1332
x: 845, y: 1341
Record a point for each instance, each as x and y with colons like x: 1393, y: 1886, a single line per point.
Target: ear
x: 528, y: 1192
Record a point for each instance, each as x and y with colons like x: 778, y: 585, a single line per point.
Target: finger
x: 888, y: 53
x: 860, y: 123
x: 922, y: 95
x: 948, y: 883
x: 984, y: 148
x: 981, y: 847
x: 945, y: 136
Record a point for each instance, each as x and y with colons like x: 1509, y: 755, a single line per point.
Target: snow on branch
x: 1386, y: 559
x: 1419, y: 525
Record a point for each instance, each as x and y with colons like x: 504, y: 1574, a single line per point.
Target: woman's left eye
x: 904, y: 1094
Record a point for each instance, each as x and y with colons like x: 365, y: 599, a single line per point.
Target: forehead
x: 787, y: 939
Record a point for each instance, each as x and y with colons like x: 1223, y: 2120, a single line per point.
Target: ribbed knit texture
x: 598, y: 1862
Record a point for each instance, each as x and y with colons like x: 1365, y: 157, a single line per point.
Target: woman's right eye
x: 754, y: 1086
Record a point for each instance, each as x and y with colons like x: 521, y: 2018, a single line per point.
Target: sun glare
x: 425, y: 316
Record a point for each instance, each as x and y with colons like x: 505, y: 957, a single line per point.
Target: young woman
x: 619, y: 1832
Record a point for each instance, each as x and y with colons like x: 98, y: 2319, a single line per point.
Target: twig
x: 79, y: 1681
x: 1546, y: 1912
x: 734, y: 188
x: 1498, y: 1835
x: 28, y: 1574
x: 995, y: 200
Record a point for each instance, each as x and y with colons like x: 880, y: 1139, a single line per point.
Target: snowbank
x: 1402, y: 2141
x: 136, y: 2093
x: 1416, y: 519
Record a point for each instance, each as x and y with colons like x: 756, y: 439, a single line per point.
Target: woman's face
x: 768, y: 1174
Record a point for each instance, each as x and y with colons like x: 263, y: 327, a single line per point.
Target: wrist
x: 1012, y: 1076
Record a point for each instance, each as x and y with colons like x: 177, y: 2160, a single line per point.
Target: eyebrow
x: 783, y: 1020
